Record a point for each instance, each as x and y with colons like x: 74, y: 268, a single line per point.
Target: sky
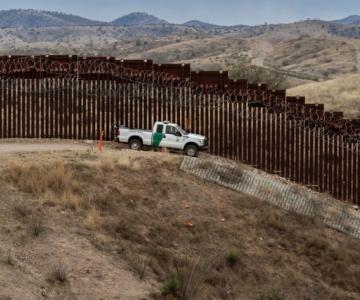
x: 222, y: 12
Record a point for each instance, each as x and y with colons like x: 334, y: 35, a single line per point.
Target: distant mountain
x: 201, y: 25
x: 37, y: 18
x: 31, y: 18
x: 138, y: 19
x: 350, y: 20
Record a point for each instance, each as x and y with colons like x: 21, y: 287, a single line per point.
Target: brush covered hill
x: 138, y: 19
x: 306, y: 50
x: 130, y: 225
x: 350, y: 20
x: 200, y: 24
x: 38, y: 18
x: 321, y: 57
x: 311, y: 50
x: 340, y: 94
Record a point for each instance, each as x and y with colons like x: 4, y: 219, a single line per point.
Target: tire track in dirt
x: 13, y: 148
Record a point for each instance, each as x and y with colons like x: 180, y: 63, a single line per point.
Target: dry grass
x: 73, y: 201
x: 93, y: 219
x: 132, y: 164
x: 273, y: 295
x: 140, y: 264
x: 59, y: 273
x: 9, y: 258
x: 319, y: 57
x: 32, y: 218
x: 340, y: 94
x: 191, y: 272
x: 130, y: 206
x: 275, y: 221
x: 36, y: 225
x: 41, y: 178
x: 22, y: 210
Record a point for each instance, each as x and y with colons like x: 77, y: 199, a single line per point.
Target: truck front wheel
x: 135, y: 144
x: 191, y: 150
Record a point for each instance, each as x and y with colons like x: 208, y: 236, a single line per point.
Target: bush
x: 232, y: 258
x: 37, y: 226
x: 140, y: 265
x: 274, y: 295
x: 190, y: 274
x: 10, y: 258
x: 171, y: 286
x: 59, y: 273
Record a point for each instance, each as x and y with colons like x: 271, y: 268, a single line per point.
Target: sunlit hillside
x: 340, y: 94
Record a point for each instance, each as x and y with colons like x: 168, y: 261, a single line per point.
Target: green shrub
x: 274, y: 295
x: 171, y: 286
x: 232, y: 257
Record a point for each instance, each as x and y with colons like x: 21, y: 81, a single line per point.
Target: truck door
x: 173, y: 138
x: 158, y: 135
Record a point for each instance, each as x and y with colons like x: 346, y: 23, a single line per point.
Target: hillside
x: 350, y: 20
x: 300, y: 52
x: 37, y: 18
x: 200, y: 24
x: 138, y: 19
x: 321, y: 57
x: 305, y: 50
x: 340, y: 94
x: 134, y: 217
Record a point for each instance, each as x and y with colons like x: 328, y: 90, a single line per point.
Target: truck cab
x: 172, y: 136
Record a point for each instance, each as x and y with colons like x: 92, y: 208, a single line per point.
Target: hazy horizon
x: 227, y: 12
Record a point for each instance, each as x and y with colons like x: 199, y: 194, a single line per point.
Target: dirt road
x: 22, y: 147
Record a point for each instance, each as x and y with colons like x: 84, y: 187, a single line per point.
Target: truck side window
x: 159, y: 128
x: 170, y: 130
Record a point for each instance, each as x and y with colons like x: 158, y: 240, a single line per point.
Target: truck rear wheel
x: 135, y: 144
x: 191, y: 150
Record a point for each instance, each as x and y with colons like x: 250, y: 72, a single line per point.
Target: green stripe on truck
x: 157, y: 138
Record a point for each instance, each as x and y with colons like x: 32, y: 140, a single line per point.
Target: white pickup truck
x: 164, y: 135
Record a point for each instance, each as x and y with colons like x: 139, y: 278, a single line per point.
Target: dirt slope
x: 117, y: 224
x: 37, y: 147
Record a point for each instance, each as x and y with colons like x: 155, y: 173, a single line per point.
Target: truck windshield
x: 183, y: 132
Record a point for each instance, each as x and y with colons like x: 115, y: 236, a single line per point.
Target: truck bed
x: 126, y: 133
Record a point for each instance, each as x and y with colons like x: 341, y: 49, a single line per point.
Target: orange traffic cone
x: 101, y: 142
